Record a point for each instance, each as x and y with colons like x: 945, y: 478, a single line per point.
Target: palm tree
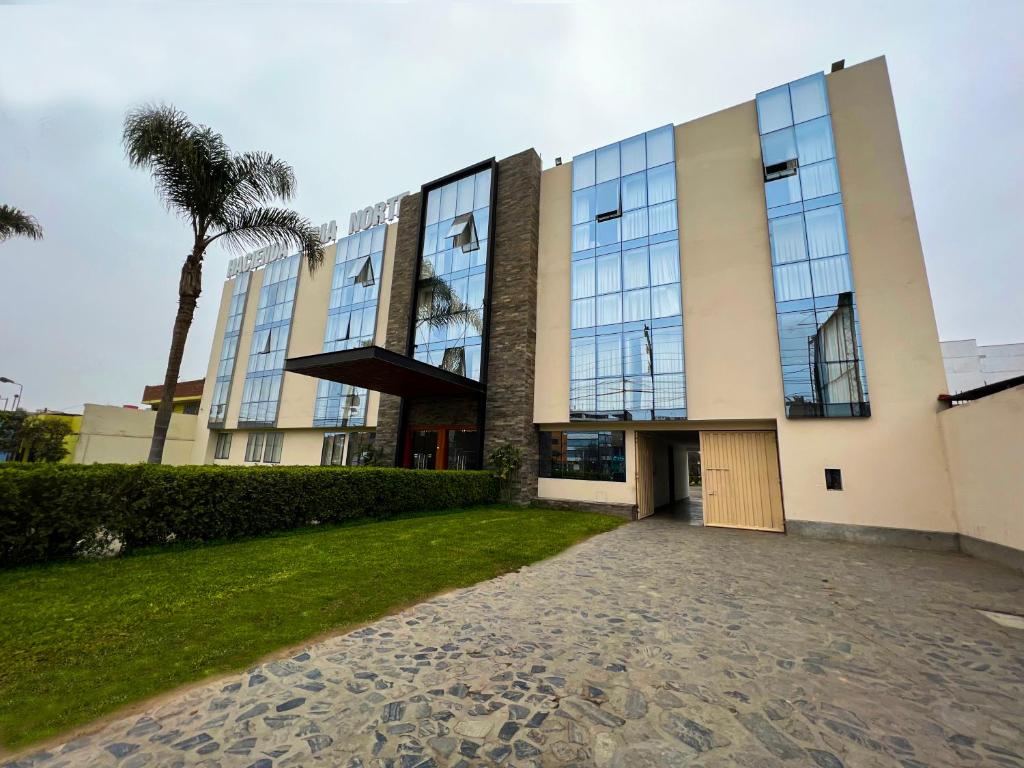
x: 15, y: 222
x: 223, y: 196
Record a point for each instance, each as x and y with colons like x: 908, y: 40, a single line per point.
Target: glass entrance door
x: 424, y: 448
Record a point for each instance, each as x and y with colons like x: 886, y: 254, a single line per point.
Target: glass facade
x: 816, y: 309
x: 269, y: 342
x: 229, y: 349
x: 626, y: 348
x: 351, y: 321
x: 264, y: 447
x: 452, y: 280
x: 583, y: 455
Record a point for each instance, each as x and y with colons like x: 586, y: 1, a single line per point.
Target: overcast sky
x: 367, y: 101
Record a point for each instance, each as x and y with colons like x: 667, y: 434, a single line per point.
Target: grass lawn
x: 79, y: 640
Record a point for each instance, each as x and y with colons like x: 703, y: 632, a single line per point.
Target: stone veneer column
x: 513, y: 318
x: 397, y: 337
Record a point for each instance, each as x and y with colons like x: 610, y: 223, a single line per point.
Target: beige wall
x: 894, y: 471
x: 111, y: 434
x: 984, y: 443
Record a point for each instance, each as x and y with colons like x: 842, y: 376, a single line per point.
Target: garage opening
x: 727, y: 479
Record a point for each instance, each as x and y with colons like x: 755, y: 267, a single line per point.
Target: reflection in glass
x: 819, y: 334
x: 583, y: 455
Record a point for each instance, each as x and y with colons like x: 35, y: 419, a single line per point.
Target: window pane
x: 636, y: 305
x: 787, y: 237
x: 583, y: 278
x: 664, y: 263
x: 782, y: 191
x: 831, y: 275
x: 583, y: 313
x: 669, y: 392
x: 582, y: 358
x: 433, y: 206
x: 634, y: 269
x: 482, y: 195
x: 464, y: 195
x: 814, y: 141
x: 663, y: 218
x: 635, y: 355
x: 608, y: 163
x: 826, y: 235
x: 583, y: 202
x: 609, y: 355
x: 819, y: 179
x: 634, y: 224
x: 668, y: 350
x: 609, y: 309
x: 448, y: 193
x: 608, y: 273
x: 584, y: 237
x: 634, y: 191
x: 581, y: 396
x: 634, y: 155
x: 773, y: 111
x: 659, y: 146
x: 609, y: 395
x: 778, y: 147
x: 661, y: 184
x: 792, y: 281
x: 607, y: 198
x: 608, y: 232
x: 583, y: 171
x: 809, y: 99
x: 665, y: 301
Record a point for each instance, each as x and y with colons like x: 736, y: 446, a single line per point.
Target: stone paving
x: 657, y: 644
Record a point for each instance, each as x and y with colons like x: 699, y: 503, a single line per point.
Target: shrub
x: 49, y: 512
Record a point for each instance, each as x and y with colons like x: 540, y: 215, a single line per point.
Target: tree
x: 223, y: 196
x: 42, y: 438
x: 15, y: 222
x: 11, y: 423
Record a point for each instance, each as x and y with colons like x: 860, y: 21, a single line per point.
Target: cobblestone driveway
x: 654, y: 645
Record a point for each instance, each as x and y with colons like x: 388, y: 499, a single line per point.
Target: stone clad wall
x: 513, y: 320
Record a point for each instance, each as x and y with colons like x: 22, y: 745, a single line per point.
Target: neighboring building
x: 970, y: 365
x: 111, y: 434
x: 74, y: 422
x: 187, y: 396
x: 748, y: 286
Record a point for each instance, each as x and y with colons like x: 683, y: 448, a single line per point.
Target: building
x: 187, y: 396
x: 114, y: 434
x: 970, y: 365
x: 748, y: 286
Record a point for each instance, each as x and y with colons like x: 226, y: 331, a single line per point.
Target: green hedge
x: 55, y: 511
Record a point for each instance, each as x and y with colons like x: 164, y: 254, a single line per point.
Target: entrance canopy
x: 385, y: 371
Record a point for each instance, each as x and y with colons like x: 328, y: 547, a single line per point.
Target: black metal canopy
x: 385, y: 371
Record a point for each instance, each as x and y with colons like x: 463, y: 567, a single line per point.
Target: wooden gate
x: 742, y: 488
x: 644, y: 477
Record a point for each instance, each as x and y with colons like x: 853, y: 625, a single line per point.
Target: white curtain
x: 787, y: 235
x: 826, y: 235
x: 665, y: 263
x: 634, y: 269
x: 792, y: 281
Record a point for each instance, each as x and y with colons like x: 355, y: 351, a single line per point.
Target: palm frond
x: 16, y: 222
x: 439, y: 306
x: 258, y: 227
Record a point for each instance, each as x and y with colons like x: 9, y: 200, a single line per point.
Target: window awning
x: 383, y: 371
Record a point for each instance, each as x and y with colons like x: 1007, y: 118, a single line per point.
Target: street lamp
x: 17, y: 397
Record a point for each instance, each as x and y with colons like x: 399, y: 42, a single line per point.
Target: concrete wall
x: 893, y: 463
x: 111, y: 434
x: 970, y: 365
x: 984, y: 443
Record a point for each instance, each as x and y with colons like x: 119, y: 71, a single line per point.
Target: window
x: 583, y: 455
x: 451, y: 288
x: 833, y: 479
x: 822, y: 357
x: 352, y: 320
x: 229, y: 348
x: 360, y: 448
x: 264, y: 447
x: 333, y: 449
x: 625, y: 280
x: 265, y: 369
x: 223, y: 448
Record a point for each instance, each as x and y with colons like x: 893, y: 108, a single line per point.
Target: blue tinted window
x: 585, y: 455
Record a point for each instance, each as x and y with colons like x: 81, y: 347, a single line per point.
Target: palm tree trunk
x: 188, y: 292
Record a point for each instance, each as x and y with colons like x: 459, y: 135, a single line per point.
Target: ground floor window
x: 264, y: 447
x: 583, y: 455
x: 223, y: 447
x: 442, y: 447
x: 360, y: 448
x: 334, y: 449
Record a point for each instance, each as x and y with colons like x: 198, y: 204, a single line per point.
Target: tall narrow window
x: 229, y: 349
x: 222, y: 450
x: 822, y: 357
x: 625, y: 293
